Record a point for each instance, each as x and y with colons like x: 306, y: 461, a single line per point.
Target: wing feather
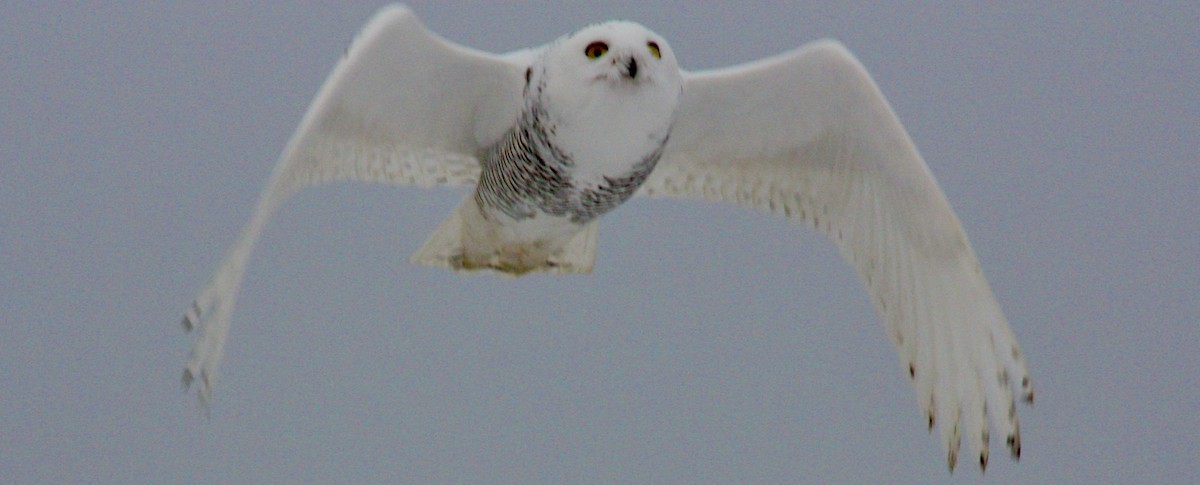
x: 402, y: 106
x: 808, y: 135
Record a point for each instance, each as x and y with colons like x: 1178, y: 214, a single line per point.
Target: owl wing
x: 402, y: 106
x: 807, y: 135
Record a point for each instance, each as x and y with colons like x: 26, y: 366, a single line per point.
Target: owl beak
x: 625, y: 69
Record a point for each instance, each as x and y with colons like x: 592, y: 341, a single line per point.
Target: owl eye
x: 595, y: 50
x: 653, y: 46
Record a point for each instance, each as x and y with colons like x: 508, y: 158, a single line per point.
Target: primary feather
x: 806, y: 135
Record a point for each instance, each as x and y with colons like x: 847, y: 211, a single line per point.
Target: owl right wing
x: 807, y: 135
x: 403, y: 106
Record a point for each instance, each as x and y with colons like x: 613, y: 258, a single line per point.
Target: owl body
x: 598, y: 106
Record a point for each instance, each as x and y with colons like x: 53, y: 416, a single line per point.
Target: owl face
x: 613, y: 55
x: 614, y: 77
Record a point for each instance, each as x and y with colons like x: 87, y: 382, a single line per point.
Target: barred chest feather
x: 534, y: 171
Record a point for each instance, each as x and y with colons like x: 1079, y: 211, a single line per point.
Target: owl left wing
x: 402, y: 106
x: 807, y: 135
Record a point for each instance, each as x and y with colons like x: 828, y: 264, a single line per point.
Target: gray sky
x: 711, y: 344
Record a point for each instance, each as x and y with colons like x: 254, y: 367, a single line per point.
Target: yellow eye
x: 595, y: 50
x: 653, y: 46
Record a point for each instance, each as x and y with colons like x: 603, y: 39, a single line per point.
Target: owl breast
x: 575, y: 168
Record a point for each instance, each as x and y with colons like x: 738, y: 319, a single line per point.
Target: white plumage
x: 806, y: 135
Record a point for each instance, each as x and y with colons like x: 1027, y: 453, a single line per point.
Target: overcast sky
x: 711, y: 344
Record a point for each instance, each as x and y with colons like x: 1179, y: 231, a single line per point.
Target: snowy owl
x: 554, y: 137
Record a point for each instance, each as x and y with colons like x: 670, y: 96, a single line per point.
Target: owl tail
x: 445, y: 248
